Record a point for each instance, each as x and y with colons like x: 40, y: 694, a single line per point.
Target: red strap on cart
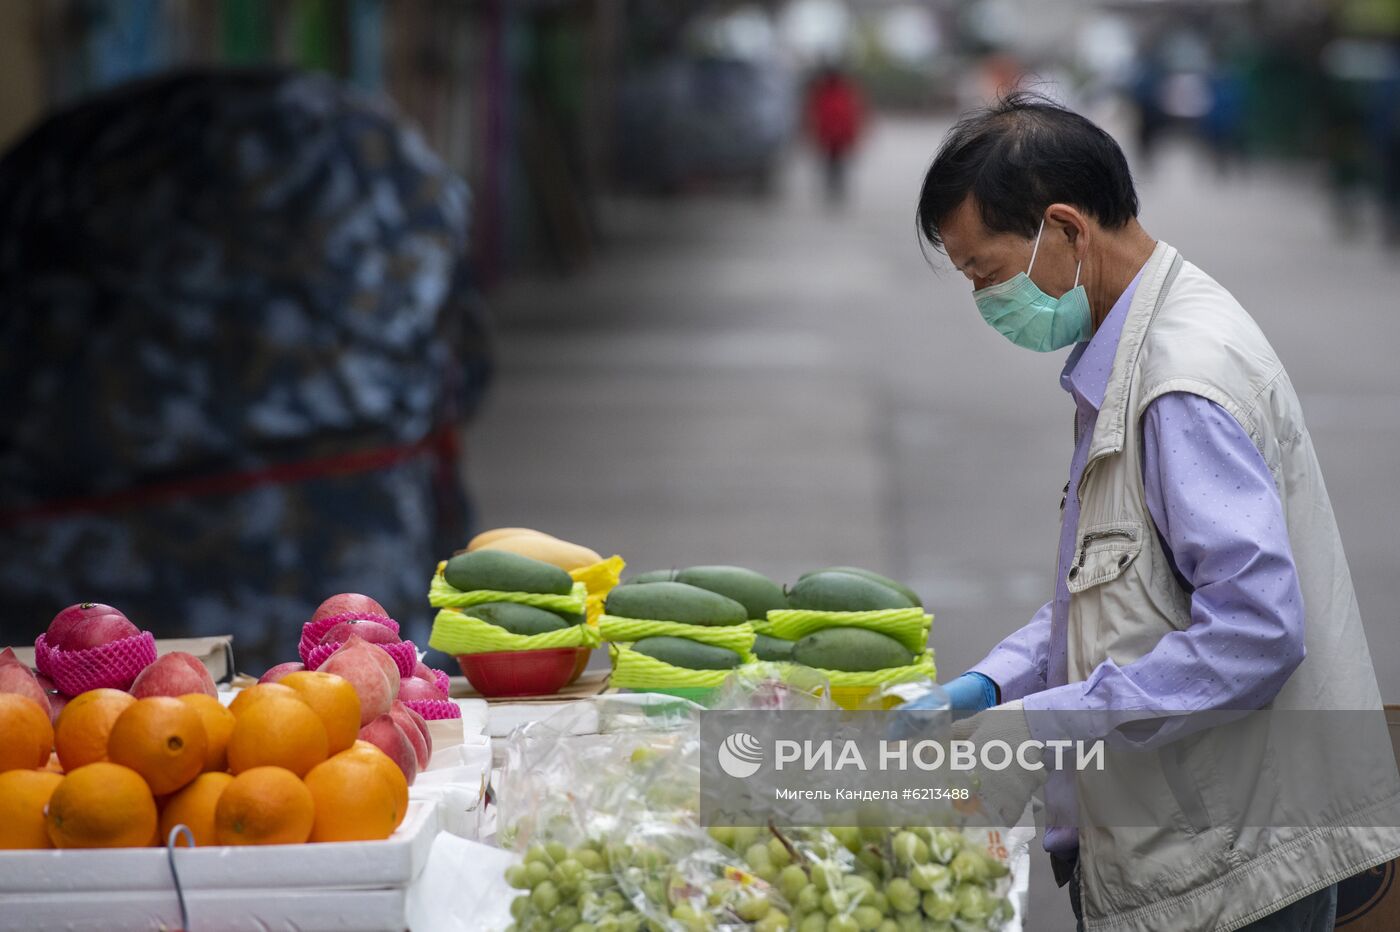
x: 442, y: 444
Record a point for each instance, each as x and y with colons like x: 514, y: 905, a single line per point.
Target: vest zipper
x: 1093, y: 536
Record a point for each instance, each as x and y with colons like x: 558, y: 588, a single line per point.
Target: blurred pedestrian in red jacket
x: 835, y: 115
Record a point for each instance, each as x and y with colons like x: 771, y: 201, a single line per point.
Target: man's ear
x: 1069, y: 222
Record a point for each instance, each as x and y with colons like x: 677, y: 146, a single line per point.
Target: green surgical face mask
x: 1029, y: 317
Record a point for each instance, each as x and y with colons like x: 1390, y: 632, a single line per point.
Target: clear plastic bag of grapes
x: 878, y: 879
x: 559, y: 770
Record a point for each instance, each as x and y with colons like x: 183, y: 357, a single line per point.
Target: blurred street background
x: 714, y: 335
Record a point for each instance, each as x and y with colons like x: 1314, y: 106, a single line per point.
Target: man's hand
x: 1002, y: 794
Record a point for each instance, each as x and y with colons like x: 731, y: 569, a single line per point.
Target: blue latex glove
x: 964, y: 696
x: 971, y: 692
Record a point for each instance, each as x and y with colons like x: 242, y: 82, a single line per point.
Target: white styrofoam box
x: 463, y: 888
x: 475, y: 713
x: 344, y: 865
x: 456, y: 781
x: 236, y: 910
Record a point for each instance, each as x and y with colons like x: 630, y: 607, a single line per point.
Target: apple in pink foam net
x: 348, y: 603
x: 371, y: 631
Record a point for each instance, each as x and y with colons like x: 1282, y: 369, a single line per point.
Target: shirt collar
x: 1090, y: 363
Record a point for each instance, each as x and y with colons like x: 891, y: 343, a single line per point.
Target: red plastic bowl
x: 582, y: 663
x: 519, y: 672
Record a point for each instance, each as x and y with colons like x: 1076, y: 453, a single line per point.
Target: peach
x: 371, y: 631
x: 56, y: 699
x: 414, y: 688
x: 422, y: 725
x: 281, y: 670
x: 386, y: 663
x: 348, y: 602
x: 424, y: 672
x: 175, y: 674
x: 384, y: 733
x: 357, y: 662
x: 16, y: 678
x: 94, y: 631
x: 401, y: 716
x: 66, y: 619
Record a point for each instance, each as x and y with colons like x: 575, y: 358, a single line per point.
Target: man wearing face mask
x: 1184, y: 417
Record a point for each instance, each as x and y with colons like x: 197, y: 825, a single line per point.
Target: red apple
x: 16, y: 678
x: 175, y: 674
x: 96, y: 630
x: 357, y: 662
x: 401, y: 716
x: 348, y: 602
x: 66, y: 619
x: 424, y: 672
x: 371, y: 631
x: 384, y: 733
x: 414, y: 688
x: 281, y: 670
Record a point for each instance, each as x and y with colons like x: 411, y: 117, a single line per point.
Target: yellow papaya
x: 546, y: 549
x: 495, y: 534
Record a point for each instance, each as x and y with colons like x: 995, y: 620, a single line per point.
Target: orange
x: 391, y: 771
x: 264, y: 806
x: 80, y: 735
x: 355, y: 801
x: 277, y: 732
x: 26, y: 734
x: 246, y: 697
x: 218, y: 725
x: 194, y: 807
x: 102, y: 805
x: 334, y: 700
x: 23, y: 796
x: 162, y: 739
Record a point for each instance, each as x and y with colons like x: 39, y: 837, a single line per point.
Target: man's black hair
x: 1017, y: 158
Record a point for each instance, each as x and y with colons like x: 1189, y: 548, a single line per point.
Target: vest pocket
x: 1105, y: 552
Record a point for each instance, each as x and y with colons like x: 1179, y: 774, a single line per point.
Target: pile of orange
x: 280, y: 765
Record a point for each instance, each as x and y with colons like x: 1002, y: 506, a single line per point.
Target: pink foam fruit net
x: 313, y: 631
x: 403, y: 653
x: 434, y: 709
x: 114, y: 665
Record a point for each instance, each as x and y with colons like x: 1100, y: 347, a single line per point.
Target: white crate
x: 351, y: 885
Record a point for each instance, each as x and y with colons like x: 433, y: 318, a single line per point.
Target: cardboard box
x: 1370, y: 902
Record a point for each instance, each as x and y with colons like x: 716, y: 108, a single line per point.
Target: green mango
x: 682, y: 652
x: 853, y: 650
x: 844, y: 592
x: 756, y: 592
x: 673, y: 601
x: 771, y: 648
x: 650, y: 576
x: 502, y: 571
x: 897, y: 586
x: 516, y: 618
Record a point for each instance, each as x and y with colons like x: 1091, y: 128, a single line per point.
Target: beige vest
x: 1184, y: 332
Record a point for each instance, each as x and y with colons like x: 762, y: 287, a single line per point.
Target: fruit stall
x: 355, y: 787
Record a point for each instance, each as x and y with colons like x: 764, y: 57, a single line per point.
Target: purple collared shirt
x: 1220, y: 520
